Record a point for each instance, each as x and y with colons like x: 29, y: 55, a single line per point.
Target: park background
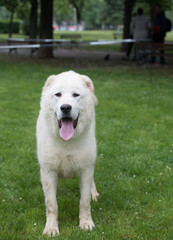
x: 134, y: 121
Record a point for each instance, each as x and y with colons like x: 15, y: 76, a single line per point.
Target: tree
x: 78, y: 5
x: 4, y: 13
x: 11, y: 6
x: 113, y: 12
x: 128, y: 8
x: 63, y: 11
x: 46, y: 29
x: 165, y: 4
x: 169, y: 14
x: 27, y: 12
x: 22, y: 13
x: 93, y: 19
x: 33, y: 19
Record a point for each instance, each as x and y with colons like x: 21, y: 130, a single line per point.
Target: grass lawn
x: 87, y: 35
x: 134, y: 168
x: 92, y: 35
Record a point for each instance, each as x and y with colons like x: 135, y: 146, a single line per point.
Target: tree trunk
x: 11, y: 24
x: 33, y: 19
x: 128, y: 8
x: 78, y: 5
x: 46, y: 29
x: 78, y: 15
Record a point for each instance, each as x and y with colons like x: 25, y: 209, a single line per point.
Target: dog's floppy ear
x: 88, y: 82
x: 48, y: 82
x: 90, y: 86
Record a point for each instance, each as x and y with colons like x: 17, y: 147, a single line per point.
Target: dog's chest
x: 69, y: 166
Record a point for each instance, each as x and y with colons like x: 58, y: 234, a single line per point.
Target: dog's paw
x: 51, y: 231
x: 86, y: 224
x: 94, y: 195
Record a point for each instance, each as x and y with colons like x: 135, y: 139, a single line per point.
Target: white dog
x: 66, y: 144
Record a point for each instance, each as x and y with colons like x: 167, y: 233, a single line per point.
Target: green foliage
x: 102, y: 13
x: 14, y: 7
x: 134, y: 168
x: 113, y: 12
x: 144, y: 5
x: 78, y: 5
x: 4, y: 13
x: 4, y: 26
x: 93, y: 14
x: 63, y: 11
x: 23, y: 13
x: 169, y: 14
x: 165, y: 4
x: 11, y: 5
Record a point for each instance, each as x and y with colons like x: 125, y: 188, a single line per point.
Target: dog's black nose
x: 66, y: 108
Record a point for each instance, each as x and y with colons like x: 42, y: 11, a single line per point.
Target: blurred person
x: 159, y: 30
x: 140, y: 28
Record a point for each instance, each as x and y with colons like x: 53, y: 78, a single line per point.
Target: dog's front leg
x: 85, y: 219
x: 49, y: 182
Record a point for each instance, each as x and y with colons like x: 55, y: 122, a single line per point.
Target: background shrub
x: 4, y: 26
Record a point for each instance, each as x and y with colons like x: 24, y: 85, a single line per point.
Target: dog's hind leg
x: 49, y: 183
x: 94, y: 192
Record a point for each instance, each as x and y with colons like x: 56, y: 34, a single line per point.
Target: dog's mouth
x: 68, y: 120
x: 67, y: 126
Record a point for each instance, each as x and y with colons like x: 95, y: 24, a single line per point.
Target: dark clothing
x: 160, y: 24
x: 159, y: 28
x: 158, y: 38
x: 159, y: 31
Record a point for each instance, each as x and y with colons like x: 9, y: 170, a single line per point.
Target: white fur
x: 75, y: 157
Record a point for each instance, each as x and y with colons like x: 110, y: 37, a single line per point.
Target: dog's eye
x: 76, y: 95
x: 58, y: 94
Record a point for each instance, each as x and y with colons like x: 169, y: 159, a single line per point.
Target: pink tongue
x: 67, y: 130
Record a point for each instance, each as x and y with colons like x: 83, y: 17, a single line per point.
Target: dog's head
x: 68, y: 100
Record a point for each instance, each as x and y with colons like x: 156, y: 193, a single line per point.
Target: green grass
x: 134, y: 168
x: 91, y: 35
x: 85, y: 35
x: 3, y: 36
x: 169, y: 36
